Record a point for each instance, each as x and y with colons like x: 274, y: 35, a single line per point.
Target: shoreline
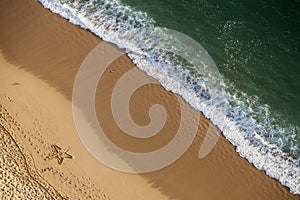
x: 43, y: 52
x: 235, y: 127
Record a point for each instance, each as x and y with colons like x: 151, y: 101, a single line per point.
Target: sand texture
x: 41, y: 154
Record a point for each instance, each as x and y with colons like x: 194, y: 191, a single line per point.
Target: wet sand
x: 40, y: 56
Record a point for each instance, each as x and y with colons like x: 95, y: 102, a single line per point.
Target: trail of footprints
x: 18, y: 164
x: 16, y: 182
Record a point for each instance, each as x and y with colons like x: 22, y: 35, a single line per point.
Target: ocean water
x: 255, y: 45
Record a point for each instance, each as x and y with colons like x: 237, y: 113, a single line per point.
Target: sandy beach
x: 40, y: 56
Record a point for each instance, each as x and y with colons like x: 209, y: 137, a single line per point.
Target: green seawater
x: 255, y: 44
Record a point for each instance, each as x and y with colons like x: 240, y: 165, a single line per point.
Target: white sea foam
x: 243, y: 121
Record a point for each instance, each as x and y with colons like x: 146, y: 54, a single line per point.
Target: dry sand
x: 40, y: 55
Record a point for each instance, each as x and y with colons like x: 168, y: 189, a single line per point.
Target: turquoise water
x: 255, y: 45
